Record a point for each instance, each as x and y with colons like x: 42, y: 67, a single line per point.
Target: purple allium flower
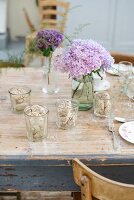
x: 48, y: 39
x: 83, y: 57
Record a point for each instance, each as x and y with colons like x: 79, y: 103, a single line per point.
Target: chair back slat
x: 44, y: 3
x: 53, y: 14
x: 101, y: 188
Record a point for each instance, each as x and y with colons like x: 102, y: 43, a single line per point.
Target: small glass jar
x: 67, y: 111
x: 102, y: 104
x: 20, y: 98
x: 36, y: 118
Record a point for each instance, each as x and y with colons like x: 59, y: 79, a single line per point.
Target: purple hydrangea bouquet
x: 80, y: 60
x: 46, y: 42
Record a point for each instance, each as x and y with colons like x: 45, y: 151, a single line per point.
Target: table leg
x: 18, y: 196
x: 9, y: 194
x: 76, y: 195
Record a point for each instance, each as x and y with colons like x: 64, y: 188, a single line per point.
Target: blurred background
x: 109, y: 22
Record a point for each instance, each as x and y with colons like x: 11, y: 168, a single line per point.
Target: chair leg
x: 27, y: 59
x: 76, y: 195
x: 86, y: 193
x: 27, y: 54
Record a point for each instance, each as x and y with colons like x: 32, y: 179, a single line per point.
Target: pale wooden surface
x: 88, y: 137
x: 42, y: 196
x: 93, y: 184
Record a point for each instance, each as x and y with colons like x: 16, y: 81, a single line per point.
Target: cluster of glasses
x: 36, y: 116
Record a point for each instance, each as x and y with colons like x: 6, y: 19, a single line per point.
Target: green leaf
x: 47, y: 52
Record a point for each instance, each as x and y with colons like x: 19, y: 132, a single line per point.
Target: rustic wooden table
x: 47, y: 165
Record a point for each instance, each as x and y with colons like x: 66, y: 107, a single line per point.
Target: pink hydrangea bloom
x: 83, y: 57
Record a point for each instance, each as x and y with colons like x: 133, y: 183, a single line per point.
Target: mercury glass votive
x: 102, y: 104
x: 20, y: 98
x: 67, y: 111
x: 36, y: 118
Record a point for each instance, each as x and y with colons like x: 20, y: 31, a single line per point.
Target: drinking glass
x: 36, y: 118
x: 20, y: 98
x: 67, y: 110
x: 130, y: 91
x: 125, y: 73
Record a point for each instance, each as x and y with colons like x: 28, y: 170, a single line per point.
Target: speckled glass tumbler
x: 20, y: 98
x: 36, y: 118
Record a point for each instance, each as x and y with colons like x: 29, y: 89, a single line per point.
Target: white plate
x: 126, y: 131
x: 102, y: 85
x: 114, y: 70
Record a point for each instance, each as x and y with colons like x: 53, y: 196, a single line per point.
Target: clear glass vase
x: 50, y: 85
x: 83, y: 91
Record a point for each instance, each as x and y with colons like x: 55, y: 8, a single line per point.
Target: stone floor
x: 16, y: 49
x: 42, y: 196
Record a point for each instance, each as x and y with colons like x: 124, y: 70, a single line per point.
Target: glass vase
x: 83, y: 91
x: 50, y: 85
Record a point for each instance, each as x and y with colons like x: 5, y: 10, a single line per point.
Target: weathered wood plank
x: 41, y: 196
x: 55, y: 178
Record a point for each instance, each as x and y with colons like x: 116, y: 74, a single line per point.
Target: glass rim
x: 125, y: 61
x: 47, y: 110
x: 27, y: 92
x: 101, y: 92
x: 69, y: 99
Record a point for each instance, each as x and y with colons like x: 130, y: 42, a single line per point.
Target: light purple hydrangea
x: 83, y: 57
x: 57, y: 59
x: 48, y: 38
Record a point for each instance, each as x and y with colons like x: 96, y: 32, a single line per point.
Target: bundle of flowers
x: 48, y: 40
x: 82, y: 58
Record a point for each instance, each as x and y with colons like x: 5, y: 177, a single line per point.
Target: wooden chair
x: 53, y: 15
x: 29, y: 22
x: 95, y: 185
x: 122, y: 57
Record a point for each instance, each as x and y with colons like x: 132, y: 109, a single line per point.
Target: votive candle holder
x: 20, y: 98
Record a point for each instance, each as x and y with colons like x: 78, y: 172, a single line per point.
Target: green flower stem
x: 86, y: 79
x: 76, y: 89
x: 49, y: 66
x: 70, y: 41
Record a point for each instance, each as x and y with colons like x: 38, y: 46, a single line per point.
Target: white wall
x: 110, y: 21
x: 3, y: 16
x: 16, y: 19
